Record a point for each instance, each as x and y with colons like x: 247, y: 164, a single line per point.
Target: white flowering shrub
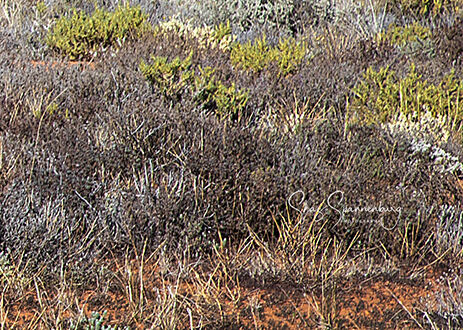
x: 219, y: 36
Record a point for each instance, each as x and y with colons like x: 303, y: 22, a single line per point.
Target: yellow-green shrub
x: 382, y: 96
x: 175, y: 77
x: 400, y: 36
x: 289, y: 54
x: 169, y: 77
x: 80, y: 35
x: 427, y: 8
x: 212, y: 93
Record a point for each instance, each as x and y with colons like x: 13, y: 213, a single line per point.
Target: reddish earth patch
x: 356, y: 303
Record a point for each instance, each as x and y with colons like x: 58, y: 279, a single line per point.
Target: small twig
x: 82, y: 198
x: 294, y: 306
x: 405, y: 308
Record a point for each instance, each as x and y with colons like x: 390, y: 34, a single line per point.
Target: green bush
x: 401, y: 36
x: 382, y: 97
x: 426, y: 8
x: 169, y: 77
x: 289, y: 54
x: 213, y: 94
x: 410, y: 39
x: 81, y: 35
x: 177, y: 76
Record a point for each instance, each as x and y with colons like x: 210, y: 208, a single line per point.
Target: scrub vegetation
x: 226, y: 164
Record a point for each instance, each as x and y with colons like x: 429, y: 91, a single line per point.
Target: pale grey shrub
x: 448, y: 235
x: 444, y: 308
x: 282, y: 16
x: 427, y: 135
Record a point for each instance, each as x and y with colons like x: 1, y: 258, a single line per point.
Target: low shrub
x: 175, y: 77
x: 382, y: 96
x: 288, y: 55
x: 213, y: 94
x: 400, y: 36
x: 411, y: 39
x: 81, y: 35
x: 243, y: 15
x: 426, y: 8
x: 169, y: 77
x: 219, y: 36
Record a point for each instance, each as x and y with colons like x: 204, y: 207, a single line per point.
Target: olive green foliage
x: 288, y: 55
x: 382, y: 96
x: 400, y: 36
x: 410, y: 39
x: 212, y: 93
x: 174, y: 77
x: 81, y: 35
x: 222, y: 31
x: 41, y: 7
x: 427, y: 8
x: 169, y: 77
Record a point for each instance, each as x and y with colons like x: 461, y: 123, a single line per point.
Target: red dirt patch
x: 356, y: 303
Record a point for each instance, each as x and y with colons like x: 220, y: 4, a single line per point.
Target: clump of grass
x: 82, y: 35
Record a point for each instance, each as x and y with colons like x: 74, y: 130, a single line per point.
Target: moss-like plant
x: 81, y: 35
x: 382, y: 96
x: 289, y: 54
